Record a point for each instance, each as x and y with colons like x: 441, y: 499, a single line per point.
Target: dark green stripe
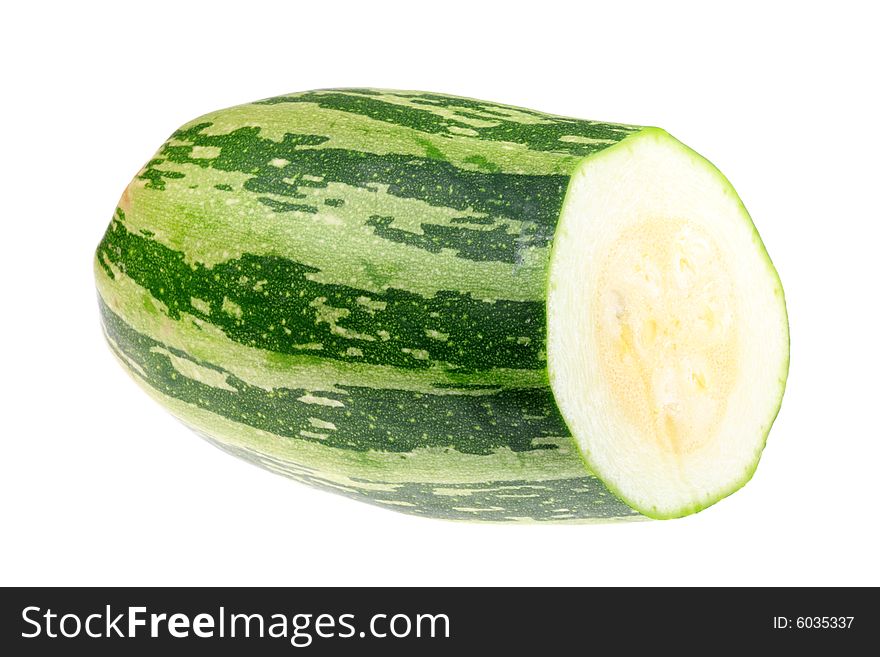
x: 495, y: 244
x: 281, y: 206
x: 481, y: 334
x: 371, y: 419
x: 530, y: 198
x: 539, y: 137
x: 581, y: 498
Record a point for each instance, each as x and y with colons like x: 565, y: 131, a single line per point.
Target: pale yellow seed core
x: 664, y: 315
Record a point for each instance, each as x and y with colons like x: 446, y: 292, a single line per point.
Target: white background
x: 101, y: 486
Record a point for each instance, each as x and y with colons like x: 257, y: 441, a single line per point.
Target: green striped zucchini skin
x: 348, y: 287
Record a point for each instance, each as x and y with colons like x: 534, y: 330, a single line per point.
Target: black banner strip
x: 435, y: 621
